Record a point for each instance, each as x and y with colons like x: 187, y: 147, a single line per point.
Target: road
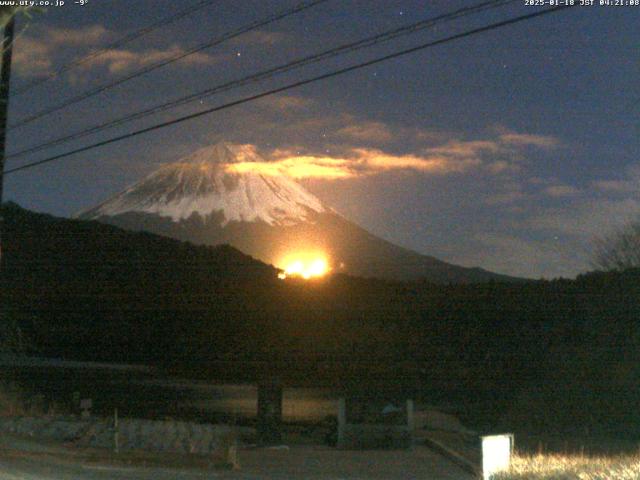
x: 25, y: 459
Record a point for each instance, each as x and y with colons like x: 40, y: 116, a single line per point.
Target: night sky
x: 511, y: 150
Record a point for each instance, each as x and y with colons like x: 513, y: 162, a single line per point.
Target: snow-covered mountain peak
x: 201, y: 183
x: 223, y: 153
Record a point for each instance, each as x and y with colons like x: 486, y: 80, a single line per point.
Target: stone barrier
x: 133, y: 434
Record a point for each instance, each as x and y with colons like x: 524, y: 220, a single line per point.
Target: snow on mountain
x: 214, y: 197
x: 203, y: 183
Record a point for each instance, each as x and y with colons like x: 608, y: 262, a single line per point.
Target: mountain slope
x: 203, y: 183
x: 89, y: 291
x: 214, y: 196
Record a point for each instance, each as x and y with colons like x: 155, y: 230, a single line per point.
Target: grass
x: 12, y: 401
x: 570, y: 467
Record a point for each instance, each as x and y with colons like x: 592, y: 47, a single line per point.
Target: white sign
x: 496, y: 454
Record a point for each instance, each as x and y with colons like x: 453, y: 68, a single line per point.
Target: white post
x: 496, y: 454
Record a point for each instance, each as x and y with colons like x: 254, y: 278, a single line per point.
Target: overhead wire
x: 115, y: 45
x: 168, y: 61
x: 325, y: 76
x: 271, y: 72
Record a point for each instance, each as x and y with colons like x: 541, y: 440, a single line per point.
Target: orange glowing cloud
x: 357, y: 162
x: 374, y: 161
x: 298, y: 167
x: 496, y: 155
x: 474, y: 148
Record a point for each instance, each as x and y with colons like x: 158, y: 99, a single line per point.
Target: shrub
x: 570, y: 467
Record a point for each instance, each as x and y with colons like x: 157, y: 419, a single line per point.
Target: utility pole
x: 5, y: 78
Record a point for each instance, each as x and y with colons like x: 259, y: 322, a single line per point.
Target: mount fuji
x: 205, y: 198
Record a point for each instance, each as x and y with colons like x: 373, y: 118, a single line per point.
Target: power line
x: 291, y: 86
x: 162, y: 63
x: 271, y: 72
x: 117, y: 44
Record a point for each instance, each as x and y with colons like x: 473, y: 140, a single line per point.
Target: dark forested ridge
x: 546, y: 354
x: 360, y: 252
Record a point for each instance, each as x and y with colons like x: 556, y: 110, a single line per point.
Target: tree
x: 619, y: 250
x: 8, y: 12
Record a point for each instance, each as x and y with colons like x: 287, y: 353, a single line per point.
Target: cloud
x: 537, y: 180
x: 285, y: 103
x: 340, y: 145
x: 475, y: 148
x: 359, y: 154
x: 502, y: 166
x: 380, y: 161
x: 358, y: 162
x: 506, y: 198
x: 35, y: 56
x: 529, y: 140
x: 561, y: 191
x: 298, y: 167
x: 86, y: 36
x: 32, y: 58
x: 616, y: 186
x: 367, y: 132
x: 339, y: 134
x: 502, y: 154
x: 335, y: 131
x: 628, y: 184
x: 259, y: 37
x: 498, y: 155
x: 118, y: 61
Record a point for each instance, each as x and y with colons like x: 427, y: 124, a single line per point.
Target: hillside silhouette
x: 550, y: 355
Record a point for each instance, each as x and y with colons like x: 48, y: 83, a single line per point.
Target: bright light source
x: 496, y: 454
x: 304, y: 267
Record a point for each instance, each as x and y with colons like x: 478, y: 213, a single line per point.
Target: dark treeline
x: 560, y: 355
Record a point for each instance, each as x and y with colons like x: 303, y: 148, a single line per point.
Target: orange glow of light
x: 304, y: 267
x: 297, y: 167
